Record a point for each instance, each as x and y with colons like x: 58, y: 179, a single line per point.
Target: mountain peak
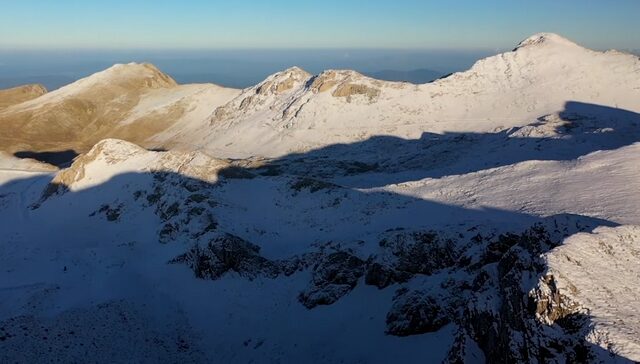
x: 135, y: 71
x: 283, y: 81
x: 545, y: 39
x: 130, y: 76
x: 295, y: 70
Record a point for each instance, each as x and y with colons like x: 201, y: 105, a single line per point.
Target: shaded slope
x: 293, y: 266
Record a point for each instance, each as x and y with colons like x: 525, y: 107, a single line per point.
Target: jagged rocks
x: 420, y: 252
x: 550, y: 304
x: 415, y: 312
x: 333, y: 277
x: 382, y: 276
x: 313, y: 185
x: 345, y: 84
x: 464, y: 350
x: 405, y: 254
x: 523, y: 317
x: 228, y: 253
x: 183, y: 205
x: 112, y: 213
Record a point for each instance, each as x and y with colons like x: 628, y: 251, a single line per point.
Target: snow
x: 11, y: 163
x: 601, y: 271
x: 508, y: 90
x: 116, y: 75
x: 546, y: 188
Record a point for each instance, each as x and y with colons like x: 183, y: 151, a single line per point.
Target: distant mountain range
x: 50, y: 82
x: 53, y: 82
x: 418, y: 76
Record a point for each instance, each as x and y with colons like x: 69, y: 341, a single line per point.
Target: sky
x: 297, y: 24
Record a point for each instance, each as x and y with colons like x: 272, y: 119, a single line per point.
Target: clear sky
x: 457, y: 24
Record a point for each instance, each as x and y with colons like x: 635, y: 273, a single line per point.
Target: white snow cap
x: 546, y: 39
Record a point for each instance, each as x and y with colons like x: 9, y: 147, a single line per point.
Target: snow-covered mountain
x: 293, y: 111
x: 490, y: 216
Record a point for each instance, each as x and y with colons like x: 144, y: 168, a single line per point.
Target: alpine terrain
x: 492, y: 215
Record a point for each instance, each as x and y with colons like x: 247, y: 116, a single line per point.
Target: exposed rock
x: 255, y: 98
x: 464, y: 350
x: 111, y: 213
x: 228, y: 253
x: 518, y: 324
x: 346, y: 84
x: 349, y: 90
x: 333, y: 277
x: 382, y: 276
x: 419, y: 252
x: 313, y: 185
x: 551, y: 304
x: 414, y: 313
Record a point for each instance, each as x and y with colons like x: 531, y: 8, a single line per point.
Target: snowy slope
x: 293, y: 111
x: 599, y: 272
x: 547, y: 187
x: 11, y: 163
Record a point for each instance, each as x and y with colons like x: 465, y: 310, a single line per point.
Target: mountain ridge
x: 299, y: 102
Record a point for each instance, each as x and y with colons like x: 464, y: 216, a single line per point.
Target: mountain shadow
x: 62, y: 158
x: 578, y: 130
x: 280, y: 221
x: 418, y: 76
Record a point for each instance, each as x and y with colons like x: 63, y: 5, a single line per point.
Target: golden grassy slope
x: 104, y: 105
x: 20, y: 94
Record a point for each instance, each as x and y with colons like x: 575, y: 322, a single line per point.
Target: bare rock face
x: 228, y: 253
x: 333, y: 277
x: 406, y: 254
x: 345, y: 84
x: 420, y: 252
x: 414, y: 313
x: 349, y: 90
x: 529, y: 320
x: 260, y: 96
x: 382, y: 276
x: 551, y: 304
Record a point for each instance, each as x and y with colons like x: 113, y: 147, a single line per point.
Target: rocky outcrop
x: 268, y: 91
x: 333, y: 276
x: 414, y: 313
x: 346, y: 84
x: 521, y: 322
x: 228, y: 253
x: 406, y: 254
x: 350, y: 90
x: 506, y: 308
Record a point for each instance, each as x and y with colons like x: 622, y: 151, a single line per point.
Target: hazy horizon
x: 238, y: 44
x: 231, y: 68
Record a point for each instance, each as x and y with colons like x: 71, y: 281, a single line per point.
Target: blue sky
x: 408, y: 24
